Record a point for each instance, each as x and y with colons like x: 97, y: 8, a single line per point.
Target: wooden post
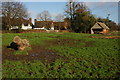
x: 92, y: 31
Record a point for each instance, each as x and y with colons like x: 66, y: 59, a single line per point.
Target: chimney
x: 30, y: 20
x: 35, y: 20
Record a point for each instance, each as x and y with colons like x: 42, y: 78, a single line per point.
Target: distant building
x: 42, y: 24
x: 27, y: 24
x: 50, y: 25
x: 25, y: 27
x: 23, y: 23
x: 99, y: 27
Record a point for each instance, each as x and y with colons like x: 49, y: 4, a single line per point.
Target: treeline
x: 81, y: 18
x: 77, y: 14
x: 12, y: 11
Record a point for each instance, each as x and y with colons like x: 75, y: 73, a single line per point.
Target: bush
x: 17, y: 30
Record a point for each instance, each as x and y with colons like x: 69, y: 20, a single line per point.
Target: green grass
x: 101, y: 60
x: 20, y: 52
x: 34, y: 38
x: 23, y: 52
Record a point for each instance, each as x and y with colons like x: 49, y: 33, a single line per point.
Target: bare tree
x: 73, y: 7
x: 79, y: 16
x: 44, y: 16
x: 13, y: 10
x: 70, y: 9
x: 59, y: 18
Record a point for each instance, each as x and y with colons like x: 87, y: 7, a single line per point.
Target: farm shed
x: 99, y: 27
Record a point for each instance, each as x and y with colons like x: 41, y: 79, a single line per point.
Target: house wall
x: 92, y: 31
x: 26, y: 27
x: 30, y: 20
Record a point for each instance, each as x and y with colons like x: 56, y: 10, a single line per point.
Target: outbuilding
x: 98, y: 28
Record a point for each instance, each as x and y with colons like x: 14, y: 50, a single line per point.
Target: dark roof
x: 58, y: 23
x: 18, y: 21
x: 48, y: 23
x: 26, y: 22
x: 40, y: 24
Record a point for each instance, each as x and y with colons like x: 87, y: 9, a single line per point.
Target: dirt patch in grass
x: 71, y: 42
x: 37, y: 53
x: 89, y: 43
x: 54, y: 36
x: 42, y: 53
x: 106, y: 37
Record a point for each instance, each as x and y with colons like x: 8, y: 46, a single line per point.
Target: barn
x: 98, y: 28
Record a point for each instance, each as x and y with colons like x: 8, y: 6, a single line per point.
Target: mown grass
x: 101, y: 60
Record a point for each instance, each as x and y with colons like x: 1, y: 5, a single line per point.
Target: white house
x: 25, y: 24
x: 14, y: 27
x: 26, y: 27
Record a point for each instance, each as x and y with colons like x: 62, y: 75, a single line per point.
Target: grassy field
x: 62, y: 55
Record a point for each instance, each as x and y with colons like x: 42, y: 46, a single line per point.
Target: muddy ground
x: 41, y: 52
x: 106, y: 37
x: 37, y: 53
